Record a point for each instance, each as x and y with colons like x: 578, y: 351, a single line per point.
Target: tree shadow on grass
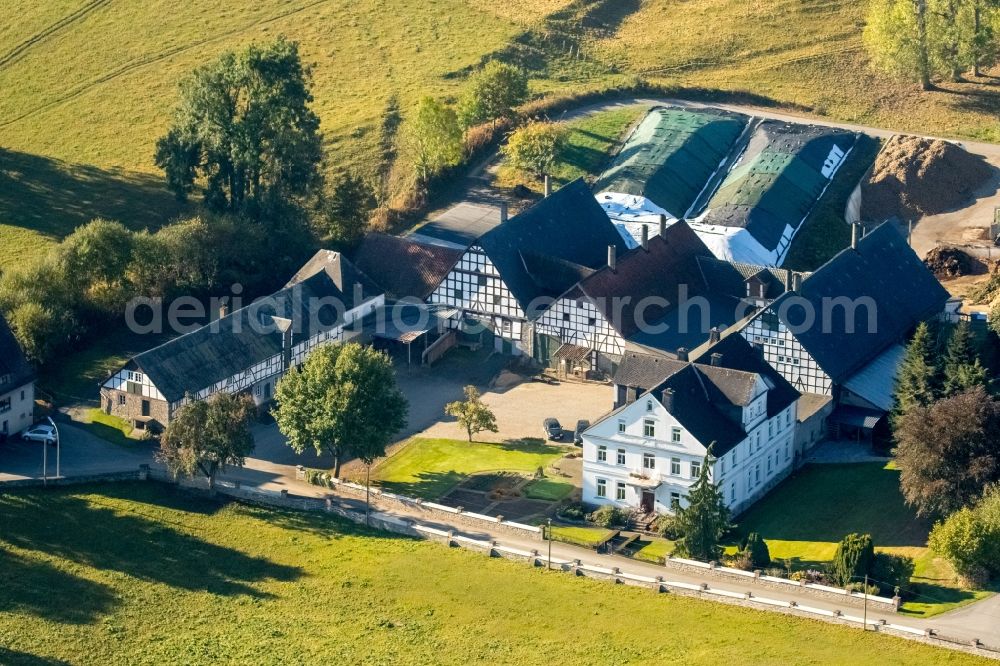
x: 34, y: 587
x: 144, y: 547
x: 428, y: 485
x: 16, y: 658
x: 54, y: 197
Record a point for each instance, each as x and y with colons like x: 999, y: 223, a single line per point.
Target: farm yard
x: 285, y: 587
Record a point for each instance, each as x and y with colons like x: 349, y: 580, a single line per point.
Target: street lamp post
x: 548, y: 531
x: 55, y: 428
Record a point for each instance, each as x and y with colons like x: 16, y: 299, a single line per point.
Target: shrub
x: 608, y: 516
x: 756, y: 547
x: 573, y: 511
x: 532, y: 148
x: 741, y: 560
x: 970, y: 539
x: 853, y: 559
x: 872, y: 590
x: 775, y: 572
x: 667, y: 527
x: 891, y: 571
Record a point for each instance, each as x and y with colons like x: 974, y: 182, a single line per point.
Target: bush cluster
x: 608, y: 516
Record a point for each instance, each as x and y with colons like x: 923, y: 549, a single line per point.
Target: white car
x: 45, y: 434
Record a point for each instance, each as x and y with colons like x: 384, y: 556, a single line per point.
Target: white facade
x: 784, y: 353
x: 17, y: 409
x: 474, y: 286
x: 643, y: 457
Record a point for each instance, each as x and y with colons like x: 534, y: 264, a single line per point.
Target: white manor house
x: 646, y: 454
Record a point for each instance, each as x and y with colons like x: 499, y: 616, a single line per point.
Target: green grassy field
x: 142, y: 574
x: 589, y: 537
x: 431, y: 467
x: 586, y: 149
x: 805, y: 517
x: 548, y: 489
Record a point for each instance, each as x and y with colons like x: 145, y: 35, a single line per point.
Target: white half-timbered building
x: 667, y: 295
x: 512, y: 273
x: 646, y: 454
x: 249, y: 349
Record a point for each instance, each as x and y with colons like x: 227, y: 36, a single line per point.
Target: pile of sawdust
x: 913, y: 177
x: 950, y: 262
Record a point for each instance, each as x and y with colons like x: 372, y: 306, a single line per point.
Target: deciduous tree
x: 244, y: 128
x: 472, y: 413
x: 206, y: 436
x: 532, y: 149
x: 347, y: 207
x: 970, y: 538
x: 432, y: 140
x: 343, y: 400
x: 492, y: 93
x: 949, y: 451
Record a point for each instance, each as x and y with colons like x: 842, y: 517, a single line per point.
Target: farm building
x: 669, y: 295
x: 248, y: 349
x: 512, y: 273
x: 745, y: 185
x: 841, y: 333
x: 17, y: 385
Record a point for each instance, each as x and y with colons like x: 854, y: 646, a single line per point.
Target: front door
x: 648, y: 499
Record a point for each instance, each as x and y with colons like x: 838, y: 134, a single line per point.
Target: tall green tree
x: 895, y: 36
x: 206, y: 436
x: 533, y: 148
x: 916, y: 383
x: 949, y: 451
x: 472, y: 413
x: 344, y: 401
x: 705, y: 520
x: 962, y: 367
x: 492, y: 93
x: 432, y: 140
x: 245, y: 130
x: 346, y: 209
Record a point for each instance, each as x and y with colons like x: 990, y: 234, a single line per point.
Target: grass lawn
x: 654, y: 550
x: 142, y: 574
x: 548, y: 489
x: 805, y: 517
x: 429, y: 468
x: 589, y: 537
x: 586, y: 150
x: 107, y: 427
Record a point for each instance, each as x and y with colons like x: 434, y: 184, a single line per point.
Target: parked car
x: 553, y: 430
x: 581, y: 425
x: 45, y: 434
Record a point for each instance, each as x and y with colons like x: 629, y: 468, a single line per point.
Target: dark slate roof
x: 403, y: 267
x: 15, y: 371
x: 731, y: 277
x: 702, y: 409
x: 738, y: 354
x: 644, y: 371
x: 658, y: 272
x: 568, y: 226
x: 882, y: 268
x: 236, y: 342
x: 344, y: 275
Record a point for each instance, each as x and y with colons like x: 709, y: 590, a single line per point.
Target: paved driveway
x: 81, y: 454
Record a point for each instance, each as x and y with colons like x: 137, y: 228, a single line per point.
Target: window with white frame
x: 723, y: 463
x: 620, y: 491
x: 695, y: 469
x: 649, y: 405
x: 5, y: 404
x: 602, y: 488
x: 648, y: 461
x: 621, y: 425
x: 602, y: 453
x: 732, y: 491
x: 675, y: 435
x: 788, y: 416
x: 648, y: 428
x: 675, y: 466
x: 756, y: 473
x: 675, y: 499
x: 621, y: 456
x: 768, y: 463
x: 786, y: 450
x: 758, y: 440
x: 770, y: 428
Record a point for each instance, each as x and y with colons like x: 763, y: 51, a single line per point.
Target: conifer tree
x: 962, y: 367
x: 916, y: 383
x: 705, y: 519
